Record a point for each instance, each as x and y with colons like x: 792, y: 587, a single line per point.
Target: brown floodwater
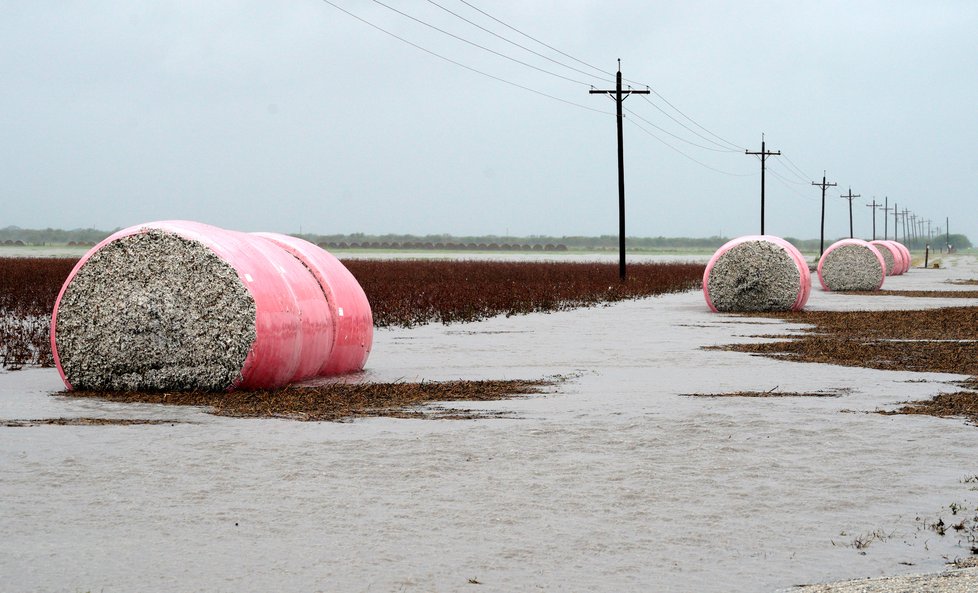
x: 616, y: 481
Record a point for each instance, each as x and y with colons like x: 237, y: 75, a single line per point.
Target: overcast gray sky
x: 290, y: 114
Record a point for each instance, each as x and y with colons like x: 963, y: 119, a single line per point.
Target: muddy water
x: 615, y: 482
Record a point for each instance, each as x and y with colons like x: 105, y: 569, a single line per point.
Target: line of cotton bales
x: 766, y: 273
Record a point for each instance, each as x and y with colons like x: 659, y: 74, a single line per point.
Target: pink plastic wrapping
x: 805, y: 286
x: 904, y: 254
x: 873, y: 248
x: 296, y: 307
x: 349, y: 308
x: 894, y: 252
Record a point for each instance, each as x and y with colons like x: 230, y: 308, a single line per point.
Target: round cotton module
x: 902, y: 257
x: 757, y: 273
x: 851, y: 264
x: 179, y: 305
x: 890, y: 256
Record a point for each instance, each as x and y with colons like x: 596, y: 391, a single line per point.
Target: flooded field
x: 617, y: 481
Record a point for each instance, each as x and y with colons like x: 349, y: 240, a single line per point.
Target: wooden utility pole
x: 896, y: 227
x: 886, y: 217
x: 823, y: 185
x: 619, y: 97
x: 874, y: 205
x: 849, y: 197
x: 947, y: 232
x: 764, y: 153
x: 905, y: 215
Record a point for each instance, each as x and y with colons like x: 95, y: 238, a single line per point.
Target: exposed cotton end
x: 756, y: 274
x: 154, y: 311
x: 851, y: 264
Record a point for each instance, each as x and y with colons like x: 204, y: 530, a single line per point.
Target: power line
x: 791, y: 172
x: 693, y: 121
x: 511, y: 42
x: 804, y: 175
x: 512, y: 28
x: 680, y: 138
x: 461, y: 65
x: 734, y: 146
x: 702, y: 164
x: 482, y: 47
x: 694, y: 132
x: 785, y: 181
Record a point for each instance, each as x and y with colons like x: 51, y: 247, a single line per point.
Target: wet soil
x: 937, y: 340
x: 341, y: 401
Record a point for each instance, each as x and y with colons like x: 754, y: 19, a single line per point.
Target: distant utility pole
x: 849, y: 197
x: 874, y: 205
x: 947, y: 233
x: 764, y: 153
x: 896, y: 225
x: 906, y: 216
x: 886, y: 217
x: 929, y: 236
x: 913, y: 227
x: 619, y: 97
x: 823, y: 185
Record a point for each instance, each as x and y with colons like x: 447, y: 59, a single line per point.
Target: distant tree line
x: 12, y: 234
x: 533, y: 242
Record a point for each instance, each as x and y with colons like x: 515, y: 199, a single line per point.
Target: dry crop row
x: 401, y: 293
x: 407, y: 293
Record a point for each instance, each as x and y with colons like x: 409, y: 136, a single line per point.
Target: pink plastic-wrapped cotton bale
x: 891, y: 255
x: 851, y: 264
x: 179, y: 305
x: 899, y: 262
x: 353, y: 320
x: 757, y: 273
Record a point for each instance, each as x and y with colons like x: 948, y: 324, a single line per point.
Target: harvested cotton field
x: 756, y: 274
x: 851, y: 264
x: 154, y: 311
x: 560, y: 489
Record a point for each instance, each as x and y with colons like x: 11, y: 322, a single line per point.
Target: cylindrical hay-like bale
x: 179, y: 305
x: 889, y: 255
x: 851, y: 264
x: 757, y: 273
